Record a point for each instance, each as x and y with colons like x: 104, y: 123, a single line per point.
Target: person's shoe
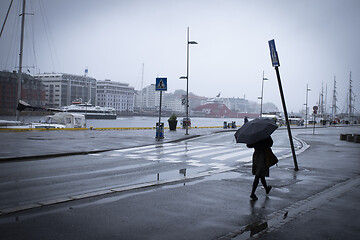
x: 268, y: 189
x: 253, y: 197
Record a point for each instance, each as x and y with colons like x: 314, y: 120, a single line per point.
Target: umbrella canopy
x: 255, y: 130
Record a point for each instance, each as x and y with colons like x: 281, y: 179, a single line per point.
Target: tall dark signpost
x: 276, y: 63
x: 160, y: 85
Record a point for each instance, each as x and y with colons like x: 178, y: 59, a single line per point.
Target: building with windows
x: 32, y: 91
x: 237, y: 104
x: 115, y: 95
x: 62, y: 89
x: 147, y: 99
x: 173, y: 103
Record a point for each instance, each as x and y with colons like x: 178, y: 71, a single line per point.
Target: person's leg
x: 263, y: 181
x: 255, y: 184
x: 267, y: 188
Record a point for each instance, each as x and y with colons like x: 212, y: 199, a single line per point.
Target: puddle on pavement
x: 301, y: 169
x: 282, y: 189
x: 224, y: 175
x: 256, y: 227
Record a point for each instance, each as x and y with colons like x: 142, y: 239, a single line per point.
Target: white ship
x: 90, y: 111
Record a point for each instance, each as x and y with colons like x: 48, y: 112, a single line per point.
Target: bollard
x: 350, y: 138
x: 343, y: 137
x: 159, y: 130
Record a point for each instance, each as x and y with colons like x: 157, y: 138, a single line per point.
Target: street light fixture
x: 306, y: 104
x: 187, y: 81
x: 262, y: 93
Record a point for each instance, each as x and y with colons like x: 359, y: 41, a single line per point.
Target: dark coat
x: 258, y: 161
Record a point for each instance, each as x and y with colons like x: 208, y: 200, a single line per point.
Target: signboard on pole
x: 315, y: 108
x: 276, y: 65
x: 273, y: 54
x: 161, y: 84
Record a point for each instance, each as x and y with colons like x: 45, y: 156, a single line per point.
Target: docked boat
x: 90, y: 111
x: 296, y: 119
x: 56, y: 121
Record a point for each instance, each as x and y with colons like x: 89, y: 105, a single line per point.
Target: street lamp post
x: 262, y: 93
x: 306, y: 104
x: 187, y: 81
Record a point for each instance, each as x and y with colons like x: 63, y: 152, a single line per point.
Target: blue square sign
x: 273, y: 54
x: 161, y: 84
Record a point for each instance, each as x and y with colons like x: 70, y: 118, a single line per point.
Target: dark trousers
x: 256, y: 183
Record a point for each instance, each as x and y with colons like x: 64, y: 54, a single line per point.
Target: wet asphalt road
x: 47, y: 180
x: 217, y: 206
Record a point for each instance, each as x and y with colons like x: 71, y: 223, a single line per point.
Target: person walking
x: 245, y: 119
x: 259, y: 168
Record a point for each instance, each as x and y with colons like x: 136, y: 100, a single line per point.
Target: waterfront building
x: 115, y: 95
x: 148, y: 100
x: 173, y: 103
x: 62, y: 89
x: 32, y: 91
x: 237, y: 104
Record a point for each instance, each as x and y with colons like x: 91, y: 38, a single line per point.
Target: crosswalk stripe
x: 226, y: 150
x: 195, y: 163
x: 245, y: 159
x: 182, y: 149
x: 233, y: 154
x: 191, y: 151
x: 218, y: 165
x: 150, y: 147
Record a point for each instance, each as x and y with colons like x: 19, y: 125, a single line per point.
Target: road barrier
x: 350, y: 137
x: 40, y: 129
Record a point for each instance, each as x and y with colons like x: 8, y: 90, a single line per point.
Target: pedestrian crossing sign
x: 161, y: 84
x: 273, y: 54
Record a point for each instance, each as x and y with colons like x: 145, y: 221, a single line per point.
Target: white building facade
x: 115, y: 95
x: 62, y: 89
x: 149, y: 100
x: 173, y: 103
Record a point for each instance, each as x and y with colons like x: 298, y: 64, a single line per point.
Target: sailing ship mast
x: 350, y: 99
x: 322, y: 111
x: 334, y: 101
x: 142, y: 83
x: 20, y: 59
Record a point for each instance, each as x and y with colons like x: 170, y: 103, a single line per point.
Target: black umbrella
x: 255, y: 130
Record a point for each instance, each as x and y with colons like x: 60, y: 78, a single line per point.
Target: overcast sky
x: 316, y: 40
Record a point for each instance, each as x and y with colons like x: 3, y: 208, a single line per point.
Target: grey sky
x: 316, y: 40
